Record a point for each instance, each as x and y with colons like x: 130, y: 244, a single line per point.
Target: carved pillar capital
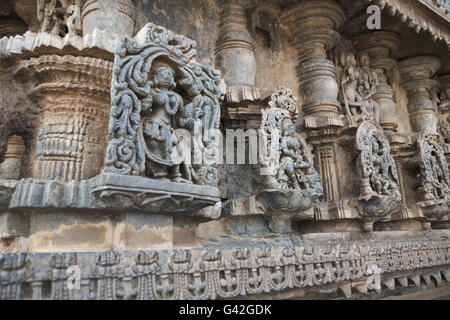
x: 313, y: 26
x: 380, y: 46
x: 421, y: 89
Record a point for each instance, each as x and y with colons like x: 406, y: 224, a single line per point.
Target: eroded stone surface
x: 111, y: 126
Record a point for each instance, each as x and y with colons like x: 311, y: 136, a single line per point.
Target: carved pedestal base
x: 118, y: 193
x: 435, y: 210
x: 376, y: 208
x: 153, y: 196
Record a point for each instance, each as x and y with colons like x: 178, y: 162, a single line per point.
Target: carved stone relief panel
x: 435, y: 178
x: 164, y: 117
x: 289, y: 162
x: 358, y: 85
x: 60, y: 17
x: 379, y: 190
x: 147, y: 109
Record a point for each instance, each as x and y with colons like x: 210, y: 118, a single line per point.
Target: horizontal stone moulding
x: 217, y: 273
x: 117, y: 193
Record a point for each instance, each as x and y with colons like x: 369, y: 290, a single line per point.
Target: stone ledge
x: 118, y: 193
x: 33, y: 43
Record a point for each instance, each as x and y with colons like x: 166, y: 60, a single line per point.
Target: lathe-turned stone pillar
x: 235, y: 56
x: 10, y: 168
x: 380, y: 46
x: 117, y: 17
x: 421, y: 90
x: 313, y: 26
x: 73, y: 94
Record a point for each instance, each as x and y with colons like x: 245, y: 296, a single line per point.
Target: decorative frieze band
x: 216, y: 273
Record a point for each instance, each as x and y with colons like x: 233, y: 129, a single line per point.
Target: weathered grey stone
x: 146, y: 209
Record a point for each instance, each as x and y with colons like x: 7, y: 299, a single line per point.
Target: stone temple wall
x: 213, y: 149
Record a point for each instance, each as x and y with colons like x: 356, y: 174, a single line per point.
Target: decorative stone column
x: 73, y: 93
x: 421, y: 90
x: 114, y: 16
x: 11, y: 166
x: 313, y: 25
x: 380, y: 46
x: 235, y: 56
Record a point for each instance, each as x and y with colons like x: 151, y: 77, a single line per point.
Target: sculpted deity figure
x: 158, y: 122
x: 434, y: 170
x: 203, y: 106
x: 381, y: 170
x: 367, y: 87
x: 289, y: 159
x: 56, y: 16
x: 358, y: 85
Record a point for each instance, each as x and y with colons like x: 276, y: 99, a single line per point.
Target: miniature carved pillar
x: 114, y: 16
x: 11, y: 166
x: 235, y: 56
x: 73, y: 93
x: 313, y: 26
x: 380, y: 46
x: 327, y: 169
x: 421, y: 89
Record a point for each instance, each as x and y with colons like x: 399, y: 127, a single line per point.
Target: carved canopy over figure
x: 288, y: 159
x: 358, y: 86
x: 434, y: 169
x: 165, y: 109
